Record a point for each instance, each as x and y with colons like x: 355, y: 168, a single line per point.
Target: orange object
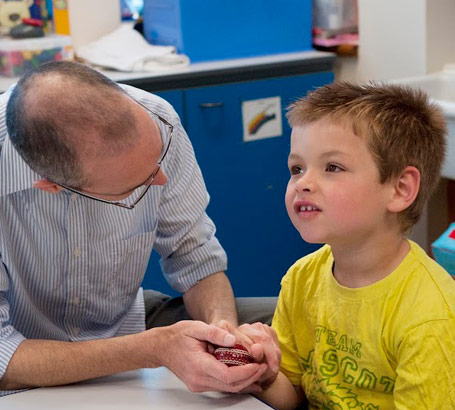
x: 61, y: 17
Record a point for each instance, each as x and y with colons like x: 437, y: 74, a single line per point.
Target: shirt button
x: 76, y: 331
x: 76, y: 301
x: 77, y: 251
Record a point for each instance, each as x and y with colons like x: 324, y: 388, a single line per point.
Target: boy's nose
x: 305, y: 182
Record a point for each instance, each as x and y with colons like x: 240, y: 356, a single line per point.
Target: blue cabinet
x: 175, y: 98
x: 246, y: 180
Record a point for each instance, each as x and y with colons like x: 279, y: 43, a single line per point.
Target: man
x: 93, y: 175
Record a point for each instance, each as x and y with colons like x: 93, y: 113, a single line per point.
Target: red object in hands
x: 233, y: 356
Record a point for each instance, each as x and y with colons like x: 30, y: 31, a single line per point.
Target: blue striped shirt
x: 71, y: 267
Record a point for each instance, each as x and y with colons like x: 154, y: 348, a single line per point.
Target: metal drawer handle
x: 211, y: 105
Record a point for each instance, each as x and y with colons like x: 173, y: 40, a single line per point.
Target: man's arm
x: 212, y: 300
x: 181, y: 347
x: 48, y: 363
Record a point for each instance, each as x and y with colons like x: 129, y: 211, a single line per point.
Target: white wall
x: 440, y: 25
x: 404, y: 38
x: 391, y: 39
x: 89, y: 20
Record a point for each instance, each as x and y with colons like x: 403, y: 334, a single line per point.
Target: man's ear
x: 47, y: 186
x: 405, y: 189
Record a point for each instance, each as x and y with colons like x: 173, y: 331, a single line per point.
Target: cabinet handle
x: 211, y: 105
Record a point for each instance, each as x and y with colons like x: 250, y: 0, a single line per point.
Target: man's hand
x: 186, y: 350
x: 262, y: 342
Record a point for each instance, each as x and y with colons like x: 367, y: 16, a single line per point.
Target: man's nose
x: 160, y: 178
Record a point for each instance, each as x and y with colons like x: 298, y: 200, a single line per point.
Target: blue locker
x: 175, y: 98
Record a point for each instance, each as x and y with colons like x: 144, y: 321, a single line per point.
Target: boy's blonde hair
x: 401, y: 127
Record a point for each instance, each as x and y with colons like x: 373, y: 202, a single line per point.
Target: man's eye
x: 333, y: 168
x: 295, y: 170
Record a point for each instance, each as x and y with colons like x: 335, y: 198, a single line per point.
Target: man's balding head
x: 62, y: 113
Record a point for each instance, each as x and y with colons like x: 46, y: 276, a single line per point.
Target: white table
x: 140, y: 389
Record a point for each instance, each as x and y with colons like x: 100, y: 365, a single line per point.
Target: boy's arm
x: 282, y: 395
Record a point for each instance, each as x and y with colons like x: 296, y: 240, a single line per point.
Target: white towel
x: 126, y: 50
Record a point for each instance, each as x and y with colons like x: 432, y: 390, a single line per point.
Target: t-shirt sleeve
x: 426, y: 367
x: 282, y: 323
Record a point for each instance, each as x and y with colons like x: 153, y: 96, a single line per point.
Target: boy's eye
x: 296, y: 170
x: 333, y: 168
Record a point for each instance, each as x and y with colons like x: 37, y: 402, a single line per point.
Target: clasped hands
x: 188, y: 348
x: 262, y: 343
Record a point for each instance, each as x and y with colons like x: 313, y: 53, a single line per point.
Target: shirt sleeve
x: 186, y: 235
x: 426, y: 367
x: 282, y: 323
x: 10, y: 338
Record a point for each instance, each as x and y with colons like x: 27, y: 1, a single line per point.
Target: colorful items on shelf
x: 61, y: 17
x: 12, y: 12
x: 17, y: 56
x: 444, y: 250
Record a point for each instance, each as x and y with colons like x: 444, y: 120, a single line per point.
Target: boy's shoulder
x: 310, y: 265
x: 425, y: 292
x: 425, y: 264
x: 320, y: 255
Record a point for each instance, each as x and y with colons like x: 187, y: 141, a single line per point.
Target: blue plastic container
x: 221, y: 29
x: 444, y: 250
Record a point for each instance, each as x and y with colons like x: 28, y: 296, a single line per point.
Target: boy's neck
x: 369, y: 263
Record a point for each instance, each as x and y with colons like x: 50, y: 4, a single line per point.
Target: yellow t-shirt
x: 389, y: 345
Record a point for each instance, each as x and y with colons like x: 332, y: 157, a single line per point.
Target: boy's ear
x: 405, y: 189
x: 47, y: 186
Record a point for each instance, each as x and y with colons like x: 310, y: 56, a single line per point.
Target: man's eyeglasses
x: 148, y: 182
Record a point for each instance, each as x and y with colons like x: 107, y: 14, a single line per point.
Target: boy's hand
x: 262, y: 342
x: 186, y: 345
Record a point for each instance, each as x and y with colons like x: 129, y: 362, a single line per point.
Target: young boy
x: 368, y: 320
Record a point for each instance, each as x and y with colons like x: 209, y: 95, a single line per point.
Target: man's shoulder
x: 3, y: 103
x: 151, y: 101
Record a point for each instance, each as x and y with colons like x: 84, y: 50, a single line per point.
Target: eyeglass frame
x: 148, y: 181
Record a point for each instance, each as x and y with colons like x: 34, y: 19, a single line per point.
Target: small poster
x: 262, y: 119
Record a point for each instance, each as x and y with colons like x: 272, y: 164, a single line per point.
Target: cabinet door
x: 247, y: 180
x: 175, y: 98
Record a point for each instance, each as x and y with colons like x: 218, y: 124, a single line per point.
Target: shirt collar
x: 15, y: 174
